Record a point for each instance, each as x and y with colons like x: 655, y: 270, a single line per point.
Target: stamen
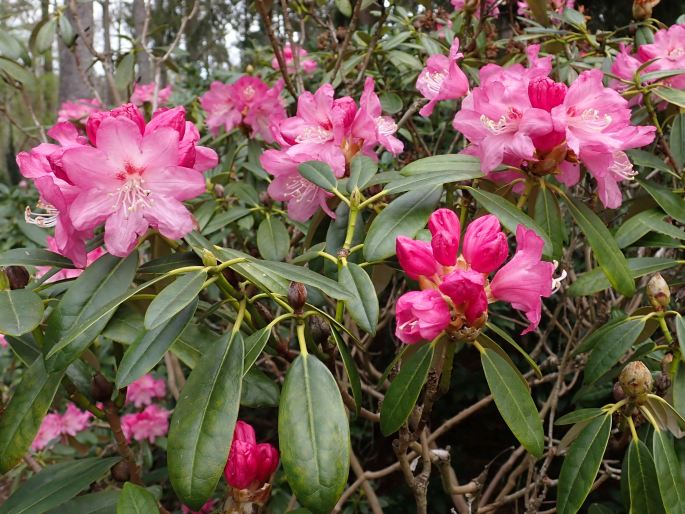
x: 315, y: 134
x: 43, y: 220
x: 434, y: 81
x: 556, y: 282
x: 595, y: 120
x: 496, y: 127
x: 132, y: 194
x: 385, y: 126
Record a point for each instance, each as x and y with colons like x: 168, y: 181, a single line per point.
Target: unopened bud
x: 319, y: 329
x: 666, y: 363
x: 618, y: 392
x: 636, y: 381
x: 101, y: 389
x: 658, y: 292
x: 297, y: 296
x: 208, y: 258
x: 642, y: 9
x: 249, y: 69
x: 121, y: 471
x: 18, y: 276
x: 219, y: 191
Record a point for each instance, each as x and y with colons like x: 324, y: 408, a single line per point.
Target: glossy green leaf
x: 598, y: 508
x: 668, y: 472
x: 307, y: 277
x: 676, y: 141
x: 21, y: 310
x: 45, y: 36
x: 174, y: 298
x: 313, y: 434
x: 125, y: 71
x: 23, y: 415
x: 580, y: 466
x: 363, y: 307
x: 254, y: 346
x: 671, y: 203
x: 194, y: 342
x: 579, y: 415
x: 548, y: 217
x: 56, y: 484
x: 273, y: 240
x: 441, y: 164
x: 259, y: 390
x: 66, y: 31
x: 647, y: 159
x: 350, y: 368
x: 516, y: 346
x: 594, y: 281
x: 362, y: 169
x: 651, y: 220
x: 514, y: 402
x: 16, y: 71
x: 678, y: 388
x: 680, y: 332
x: 104, y: 502
x: 136, y: 500
x: 34, y: 257
x: 644, y: 496
x: 345, y: 7
x: 25, y: 348
x: 608, y: 255
x: 257, y: 272
x: 666, y: 417
x: 202, y: 425
x: 151, y: 345
x: 487, y: 342
x: 405, y: 389
x: 126, y: 326
x: 404, y: 216
x: 222, y: 219
x: 611, y: 346
x: 319, y: 173
x: 391, y: 103
x: 574, y: 18
x: 672, y: 96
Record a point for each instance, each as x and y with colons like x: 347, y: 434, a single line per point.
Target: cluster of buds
x: 635, y: 382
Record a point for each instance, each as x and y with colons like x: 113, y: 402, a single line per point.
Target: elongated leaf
x: 641, y: 224
x: 350, y: 368
x: 442, y: 163
x: 202, y: 425
x: 259, y: 390
x: 404, y: 216
x: 678, y: 389
x: 671, y: 483
x: 136, y: 500
x: 16, y: 71
x: 364, y: 304
x: 34, y: 257
x: 257, y: 272
x: 174, y: 298
x: 405, y: 389
x: 648, y: 160
x: 23, y: 415
x: 362, y: 169
x: 677, y: 140
x: 611, y: 347
x: 579, y: 415
x: 594, y: 281
x: 170, y: 262
x: 509, y: 215
x: 608, y: 255
x: 150, y: 347
x: 516, y: 346
x: 306, y: 276
x: 513, y: 402
x: 581, y: 464
x: 21, y: 310
x: 104, y: 502
x: 319, y: 173
x: 126, y: 326
x: 487, y: 342
x: 670, y: 202
x: 55, y: 485
x: 680, y: 332
x: 548, y: 216
x: 273, y: 240
x: 672, y: 96
x: 254, y: 345
x: 45, y: 36
x: 313, y: 434
x: 644, y: 497
x: 223, y: 219
x: 431, y: 179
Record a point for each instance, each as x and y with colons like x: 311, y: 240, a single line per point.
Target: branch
x: 276, y: 47
x: 348, y: 37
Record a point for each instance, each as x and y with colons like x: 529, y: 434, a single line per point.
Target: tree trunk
x: 143, y: 60
x: 71, y: 83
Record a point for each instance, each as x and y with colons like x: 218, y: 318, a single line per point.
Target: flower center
x: 385, y: 126
x: 249, y: 92
x: 621, y: 167
x: 301, y: 190
x: 132, y: 194
x: 434, y: 81
x: 594, y: 120
x: 315, y: 134
x: 675, y: 53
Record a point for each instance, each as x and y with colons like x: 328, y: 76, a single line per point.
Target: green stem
x: 665, y: 330
x: 301, y: 338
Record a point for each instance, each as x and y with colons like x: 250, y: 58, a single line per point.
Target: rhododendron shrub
x: 368, y: 257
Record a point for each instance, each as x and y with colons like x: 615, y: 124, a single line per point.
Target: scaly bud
x: 101, y: 389
x: 636, y: 381
x: 658, y: 292
x: 18, y: 276
x: 642, y: 9
x: 208, y: 258
x: 297, y: 296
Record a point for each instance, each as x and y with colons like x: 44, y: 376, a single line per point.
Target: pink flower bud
x: 129, y: 111
x: 421, y: 316
x: 241, y: 468
x: 416, y: 257
x: 466, y: 290
x: 546, y: 94
x: 485, y: 245
x: 267, y: 461
x: 444, y: 225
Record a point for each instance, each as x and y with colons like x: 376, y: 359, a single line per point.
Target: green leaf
x: 151, y: 345
x: 514, y: 402
x: 581, y: 464
x: 441, y: 164
x: 644, y: 497
x: 345, y: 7
x: 306, y: 276
x: 430, y: 179
x: 16, y: 71
x: 671, y: 483
x: 678, y: 387
x: 259, y: 390
x: 594, y: 281
x: 170, y: 262
x: 319, y: 173
x: 256, y: 272
x: 55, y: 485
x: 350, y: 368
x: 66, y: 31
x: 670, y: 202
x: 126, y: 326
x: 404, y: 216
x: 516, y: 346
x: 672, y: 96
x: 487, y: 342
x: 362, y: 169
x: 641, y: 224
x: 104, y: 502
x: 174, y: 297
x: 548, y: 217
x: 273, y: 240
x: 574, y: 18
x: 125, y: 71
x: 21, y: 310
x: 648, y: 160
x: 136, y: 500
x: 313, y: 434
x: 611, y: 346
x: 405, y: 389
x: 363, y: 307
x: 10, y: 46
x: 391, y: 103
x: 45, y: 36
x: 677, y: 141
x: 34, y: 257
x: 202, y: 425
x: 254, y: 346
x: 222, y: 219
x: 680, y: 332
x: 608, y: 255
x: 71, y: 327
x: 579, y: 415
x: 509, y: 215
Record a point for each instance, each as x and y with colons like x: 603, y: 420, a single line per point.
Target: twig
x: 122, y: 445
x: 276, y: 47
x: 352, y: 27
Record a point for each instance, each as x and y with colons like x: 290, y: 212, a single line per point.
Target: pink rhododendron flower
x: 455, y: 289
x: 249, y: 101
x: 3, y: 342
x: 149, y: 424
x: 207, y: 508
x: 249, y: 464
x: 50, y: 429
x: 442, y: 79
x: 65, y: 274
x: 144, y: 390
x: 307, y: 65
x: 491, y: 8
x: 78, y: 110
x: 143, y: 93
x: 55, y: 425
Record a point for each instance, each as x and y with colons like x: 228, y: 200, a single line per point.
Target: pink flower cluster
x: 145, y: 389
x: 126, y: 174
x: 519, y: 117
x: 55, y: 425
x: 145, y: 93
x: 328, y: 129
x: 667, y: 53
x: 250, y: 465
x: 442, y: 79
x: 78, y: 110
x: 307, y: 65
x: 248, y: 101
x: 149, y: 424
x: 455, y: 289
